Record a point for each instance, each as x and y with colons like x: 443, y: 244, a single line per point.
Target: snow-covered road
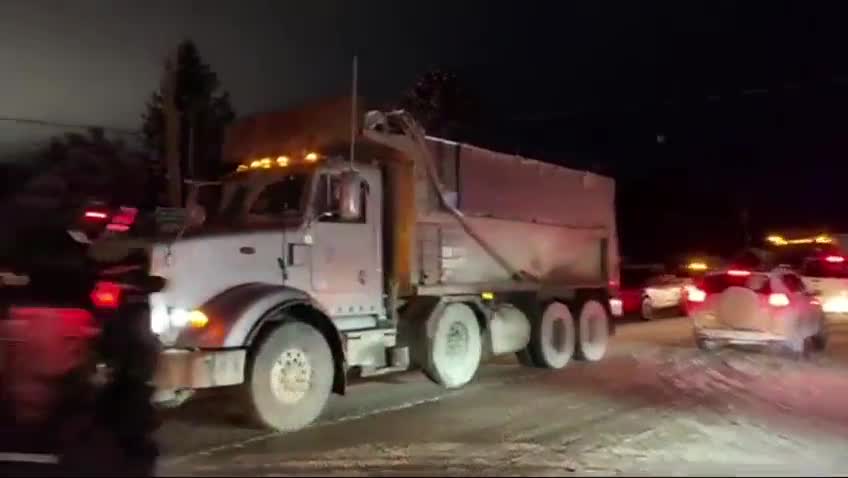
x: 655, y: 406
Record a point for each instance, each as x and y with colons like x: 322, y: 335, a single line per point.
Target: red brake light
x: 738, y: 273
x: 778, y: 300
x: 126, y: 216
x: 106, y: 295
x: 96, y: 215
x: 118, y: 227
x: 835, y: 259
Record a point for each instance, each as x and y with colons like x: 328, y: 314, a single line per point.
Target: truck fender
x: 237, y: 316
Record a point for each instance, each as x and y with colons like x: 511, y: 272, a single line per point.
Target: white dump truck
x: 419, y: 254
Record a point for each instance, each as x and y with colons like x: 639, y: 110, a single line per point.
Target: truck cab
x: 282, y: 226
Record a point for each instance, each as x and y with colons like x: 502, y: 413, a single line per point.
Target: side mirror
x: 152, y: 284
x: 350, y: 196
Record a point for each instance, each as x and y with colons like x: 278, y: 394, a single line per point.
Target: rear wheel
x: 799, y: 347
x: 593, y: 331
x: 553, y: 339
x: 646, y: 310
x: 705, y: 344
x: 819, y: 341
x: 290, y: 377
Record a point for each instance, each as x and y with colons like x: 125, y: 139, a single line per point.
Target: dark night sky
x: 741, y: 93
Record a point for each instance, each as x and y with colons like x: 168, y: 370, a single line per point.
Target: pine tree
x: 205, y: 112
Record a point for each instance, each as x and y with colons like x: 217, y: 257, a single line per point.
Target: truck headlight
x: 159, y: 319
x: 179, y: 317
x: 163, y: 319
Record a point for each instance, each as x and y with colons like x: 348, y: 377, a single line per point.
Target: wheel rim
x: 291, y: 376
x: 457, y: 340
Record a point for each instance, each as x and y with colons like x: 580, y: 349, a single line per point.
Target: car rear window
x: 717, y: 283
x: 824, y: 268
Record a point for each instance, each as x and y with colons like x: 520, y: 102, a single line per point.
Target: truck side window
x: 327, y: 197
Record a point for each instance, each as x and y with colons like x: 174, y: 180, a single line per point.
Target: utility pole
x: 172, y: 131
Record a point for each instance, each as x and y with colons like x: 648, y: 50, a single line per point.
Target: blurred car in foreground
x: 647, y: 290
x: 745, y: 307
x: 77, y: 355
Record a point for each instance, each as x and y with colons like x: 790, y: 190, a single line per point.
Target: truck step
x: 368, y: 372
x: 398, y: 358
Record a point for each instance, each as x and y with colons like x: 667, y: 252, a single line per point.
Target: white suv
x: 739, y: 306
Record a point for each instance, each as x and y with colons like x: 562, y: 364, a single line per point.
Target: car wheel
x: 819, y: 341
x: 646, y: 309
x: 799, y: 348
x: 704, y: 344
x: 291, y: 377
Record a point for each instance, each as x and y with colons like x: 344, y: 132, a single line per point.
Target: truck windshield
x: 278, y: 198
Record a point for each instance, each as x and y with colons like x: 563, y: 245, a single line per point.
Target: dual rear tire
x: 557, y: 336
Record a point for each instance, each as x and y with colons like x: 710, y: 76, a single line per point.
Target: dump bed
x: 546, y: 221
x: 550, y: 222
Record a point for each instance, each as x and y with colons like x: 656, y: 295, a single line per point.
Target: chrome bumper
x: 191, y: 369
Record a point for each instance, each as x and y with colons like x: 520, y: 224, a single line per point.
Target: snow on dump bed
x: 504, y: 186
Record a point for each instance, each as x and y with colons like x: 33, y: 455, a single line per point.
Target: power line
x: 33, y: 121
x: 697, y: 98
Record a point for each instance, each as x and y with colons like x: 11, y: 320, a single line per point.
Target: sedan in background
x: 647, y: 291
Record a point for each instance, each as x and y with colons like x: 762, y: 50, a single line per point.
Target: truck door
x: 346, y: 256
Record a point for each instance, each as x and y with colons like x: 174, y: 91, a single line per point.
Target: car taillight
x: 738, y: 273
x: 777, y: 299
x: 106, y: 295
x: 119, y: 221
x: 835, y: 259
x: 95, y: 216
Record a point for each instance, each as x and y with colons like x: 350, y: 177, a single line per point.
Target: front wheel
x: 455, y: 347
x: 290, y: 377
